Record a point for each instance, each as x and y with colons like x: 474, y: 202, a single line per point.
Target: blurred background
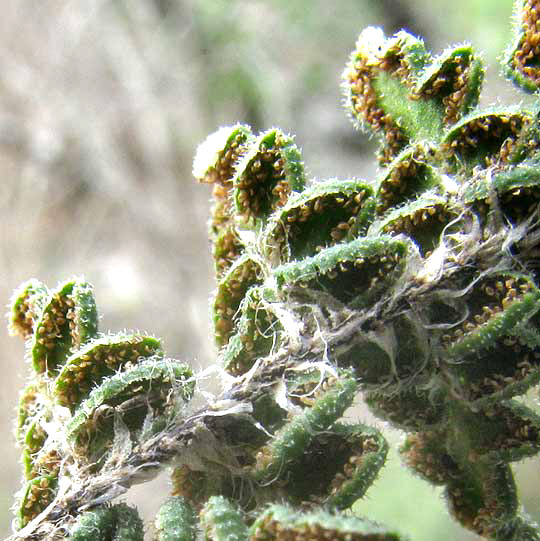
x: 102, y: 105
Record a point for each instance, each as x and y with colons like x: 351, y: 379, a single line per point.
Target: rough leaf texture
x: 419, y: 290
